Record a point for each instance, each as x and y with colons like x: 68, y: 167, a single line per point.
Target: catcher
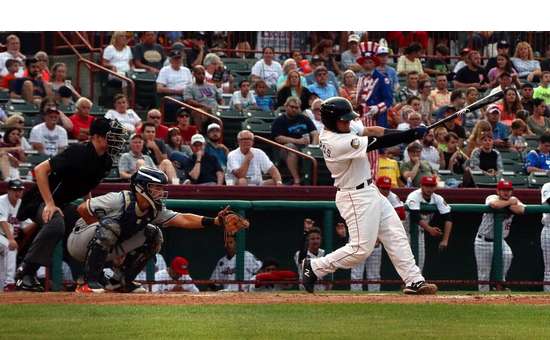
x: 121, y: 230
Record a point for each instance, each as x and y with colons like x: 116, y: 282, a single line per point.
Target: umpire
x: 60, y: 180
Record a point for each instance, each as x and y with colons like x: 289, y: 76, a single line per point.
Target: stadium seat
x: 4, y: 96
x: 511, y: 155
x: 518, y: 180
x: 259, y: 126
x: 532, y: 142
x: 514, y: 166
x: 538, y: 179
x: 232, y: 124
x: 450, y: 179
x: 323, y: 174
x: 146, y: 88
x: 265, y: 115
x: 36, y: 158
x: 19, y: 105
x: 32, y: 119
x: 483, y: 181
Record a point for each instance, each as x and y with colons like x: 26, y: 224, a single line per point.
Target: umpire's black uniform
x: 74, y: 173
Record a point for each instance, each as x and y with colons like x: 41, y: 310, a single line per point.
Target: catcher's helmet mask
x: 334, y: 109
x: 116, y: 138
x: 149, y: 183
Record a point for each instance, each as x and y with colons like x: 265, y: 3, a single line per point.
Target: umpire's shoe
x: 26, y: 281
x: 134, y: 287
x: 420, y: 288
x: 308, y: 276
x: 91, y: 287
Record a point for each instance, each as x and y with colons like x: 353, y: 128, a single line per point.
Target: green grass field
x: 290, y: 321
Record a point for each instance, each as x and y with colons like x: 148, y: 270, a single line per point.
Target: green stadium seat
x: 518, y: 180
x: 449, y: 178
x: 323, y: 174
x: 483, y: 181
x: 265, y: 115
x: 36, y: 158
x: 538, y: 179
x: 511, y: 155
x: 514, y: 166
x: 258, y: 126
x: 19, y: 105
x: 32, y: 119
x: 4, y: 96
x: 232, y: 124
x: 532, y: 142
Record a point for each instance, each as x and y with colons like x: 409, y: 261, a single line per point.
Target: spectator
x: 42, y: 59
x: 13, y: 51
x: 545, y: 64
x: 516, y: 138
x: 543, y: 90
x: 148, y: 54
x: 539, y: 160
x: 17, y: 120
x: 243, y: 98
x: 409, y: 61
x: 267, y: 69
x: 178, y: 271
x: 385, y: 69
x: 414, y: 169
x: 470, y: 119
x: 324, y: 50
x: 32, y: 88
x: 440, y: 133
x: 411, y: 89
x: 295, y: 131
x: 186, y: 129
x: 246, y: 165
x: 389, y: 168
x: 60, y: 84
x: 462, y: 62
x: 226, y: 267
x: 440, y: 95
x: 524, y: 62
x: 64, y: 121
x: 293, y: 87
x: 10, y: 227
x: 439, y: 64
x: 349, y: 57
x: 483, y: 243
x: 311, y: 78
x: 156, y: 149
x: 474, y: 140
x: 81, y: 119
x: 134, y: 159
x: 527, y: 97
x: 537, y: 122
x: 429, y: 152
x: 348, y: 89
x: 452, y: 126
x: 486, y: 158
x: 412, y: 119
x: 289, y: 65
x: 202, y: 95
x: 155, y: 116
x: 263, y: 101
x: 214, y: 145
x: 174, y: 143
x: 198, y: 49
x: 203, y: 168
x: 505, y: 82
x: 322, y: 88
x: 172, y: 79
x: 510, y: 106
x: 503, y: 48
x: 453, y: 158
x: 121, y: 112
x: 426, y: 103
x: 428, y: 223
x: 11, y: 153
x: 473, y: 74
x: 500, y: 131
x: 118, y: 58
x: 212, y: 64
x: 12, y: 67
x: 315, y: 114
x: 503, y: 65
x: 49, y: 138
x: 313, y: 251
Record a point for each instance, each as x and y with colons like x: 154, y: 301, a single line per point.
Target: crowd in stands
x: 391, y: 82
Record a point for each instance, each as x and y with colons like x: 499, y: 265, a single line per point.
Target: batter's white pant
x: 372, y: 267
x: 545, y: 246
x: 369, y: 215
x: 7, y: 263
x: 484, y: 260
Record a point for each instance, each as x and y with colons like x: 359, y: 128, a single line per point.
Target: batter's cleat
x: 420, y: 288
x: 29, y: 283
x: 90, y: 287
x: 308, y: 276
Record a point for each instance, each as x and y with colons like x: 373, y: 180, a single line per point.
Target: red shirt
x: 81, y: 123
x: 162, y: 132
x: 6, y: 81
x: 45, y: 75
x: 187, y: 134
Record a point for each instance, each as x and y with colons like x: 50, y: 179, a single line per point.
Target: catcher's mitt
x: 232, y: 222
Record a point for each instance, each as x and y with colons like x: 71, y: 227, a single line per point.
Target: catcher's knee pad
x: 106, y: 234
x: 153, y: 238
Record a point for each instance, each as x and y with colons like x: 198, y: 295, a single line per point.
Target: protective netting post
x: 328, y: 223
x: 241, y: 242
x: 56, y: 270
x: 498, y: 271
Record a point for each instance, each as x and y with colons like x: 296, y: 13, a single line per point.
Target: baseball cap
x: 429, y: 181
x: 197, y: 138
x: 494, y: 109
x: 503, y: 44
x: 383, y: 182
x: 213, y: 126
x: 353, y: 38
x: 136, y: 135
x: 175, y: 53
x: 504, y: 185
x: 320, y: 69
x: 180, y: 265
x: 465, y: 51
x: 16, y: 184
x: 527, y: 85
x: 183, y: 112
x: 382, y: 50
x: 199, y: 35
x: 52, y: 109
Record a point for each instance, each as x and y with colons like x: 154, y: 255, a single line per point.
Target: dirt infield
x: 208, y: 298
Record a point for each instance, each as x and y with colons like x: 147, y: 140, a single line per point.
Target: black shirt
x: 39, y: 89
x: 294, y: 128
x: 193, y: 54
x: 467, y: 76
x: 545, y: 65
x: 150, y: 55
x: 146, y: 151
x: 74, y: 173
x: 459, y: 162
x: 209, y: 167
x: 488, y: 160
x: 458, y: 129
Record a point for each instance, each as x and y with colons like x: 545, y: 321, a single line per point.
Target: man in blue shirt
x: 386, y: 70
x: 539, y: 160
x: 500, y: 131
x: 322, y: 88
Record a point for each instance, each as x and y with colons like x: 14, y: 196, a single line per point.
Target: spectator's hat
x: 465, y: 51
x: 504, y: 185
x: 383, y: 182
x: 136, y: 135
x: 16, y: 184
x: 369, y: 49
x: 429, y: 181
x: 527, y: 85
x: 213, y: 126
x: 199, y: 35
x: 503, y: 44
x: 354, y: 38
x: 180, y: 265
x: 175, y: 53
x: 52, y: 109
x: 197, y: 138
x: 383, y: 50
x: 316, y: 59
x: 183, y: 112
x: 493, y: 109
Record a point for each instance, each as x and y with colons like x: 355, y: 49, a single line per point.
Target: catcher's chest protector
x: 130, y: 223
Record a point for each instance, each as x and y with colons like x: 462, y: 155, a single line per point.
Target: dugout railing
x: 329, y: 215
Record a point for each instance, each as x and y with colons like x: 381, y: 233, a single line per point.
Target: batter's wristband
x: 208, y: 222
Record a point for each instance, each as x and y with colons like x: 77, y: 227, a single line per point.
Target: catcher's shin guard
x: 137, y: 259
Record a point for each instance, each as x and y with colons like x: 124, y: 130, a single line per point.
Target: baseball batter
x: 483, y: 244
x: 545, y: 235
x: 368, y: 214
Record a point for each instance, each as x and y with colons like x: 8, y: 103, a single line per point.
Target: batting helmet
x: 336, y: 108
x: 142, y: 181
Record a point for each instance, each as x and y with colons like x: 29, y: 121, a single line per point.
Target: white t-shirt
x: 175, y: 80
x: 346, y: 157
x: 128, y: 119
x: 430, y: 154
x: 163, y: 275
x: 5, y: 56
x: 119, y: 59
x: 52, y: 140
x: 259, y: 165
x: 415, y: 198
x: 237, y: 98
x: 486, y: 227
x: 8, y: 213
x: 269, y: 73
x: 226, y: 269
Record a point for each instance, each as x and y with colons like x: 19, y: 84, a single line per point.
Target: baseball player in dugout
x: 545, y: 235
x: 426, y: 222
x: 60, y: 180
x: 483, y: 244
x: 368, y: 214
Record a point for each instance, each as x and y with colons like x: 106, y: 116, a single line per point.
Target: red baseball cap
x: 504, y: 185
x: 430, y: 181
x: 383, y: 182
x: 179, y: 265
